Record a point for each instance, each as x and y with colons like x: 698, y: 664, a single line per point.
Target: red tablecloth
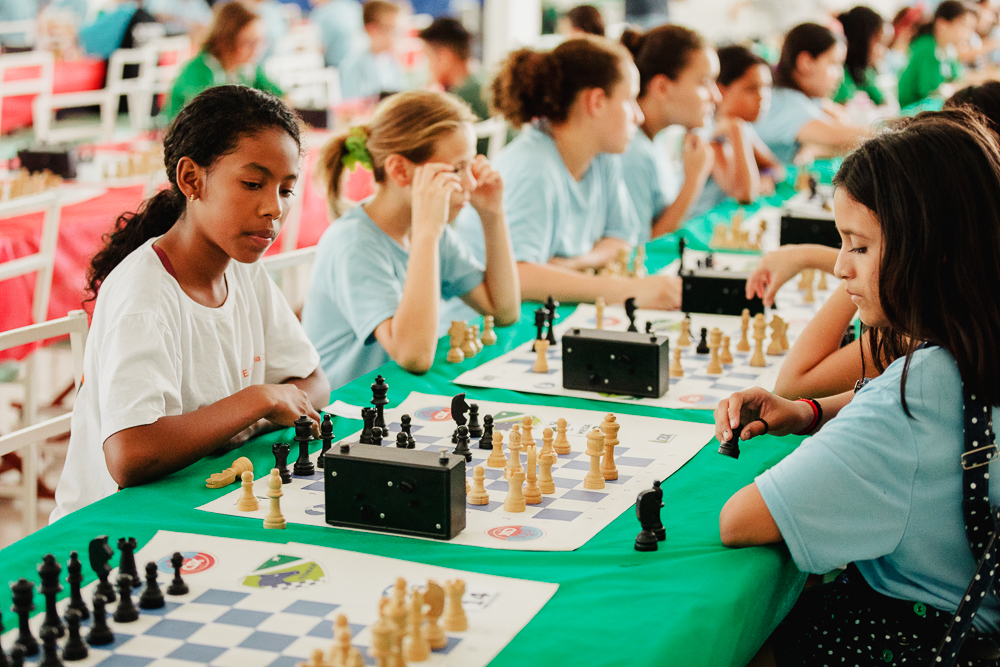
x: 68, y: 77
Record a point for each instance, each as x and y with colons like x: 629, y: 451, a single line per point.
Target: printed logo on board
x: 699, y: 399
x: 516, y: 533
x: 194, y: 562
x: 284, y: 572
x: 433, y: 414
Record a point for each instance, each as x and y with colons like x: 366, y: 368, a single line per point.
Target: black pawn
x: 376, y: 436
x: 401, y: 442
x: 126, y: 563
x: 75, y: 649
x: 406, y: 427
x: 658, y: 529
x: 703, y: 343
x: 3, y: 656
x: 649, y: 327
x: 48, y: 573
x: 303, y: 436
x: 74, y: 577
x: 380, y: 391
x: 731, y: 447
x: 462, y: 448
x: 326, y: 435
x: 486, y: 442
x: 541, y: 317
x: 709, y: 261
x: 17, y: 657
x: 177, y: 586
x: 152, y: 596
x: 475, y: 430
x: 23, y: 596
x: 647, y: 507
x: 280, y: 451
x: 100, y: 556
x: 50, y: 652
x: 681, y: 243
x: 368, y: 417
x: 100, y: 634
x: 126, y: 611
x: 630, y: 309
x: 551, y: 305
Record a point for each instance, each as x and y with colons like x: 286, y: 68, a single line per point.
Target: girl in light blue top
x: 382, y: 269
x: 565, y: 198
x: 677, y: 71
x: 808, y: 73
x: 882, y: 485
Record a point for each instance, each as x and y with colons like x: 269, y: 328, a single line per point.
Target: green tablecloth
x: 693, y: 602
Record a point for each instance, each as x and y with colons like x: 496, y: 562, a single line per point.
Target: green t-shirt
x: 471, y: 92
x: 929, y: 67
x: 204, y: 71
x: 848, y: 88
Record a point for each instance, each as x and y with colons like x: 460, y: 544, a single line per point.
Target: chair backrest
x: 26, y: 27
x: 288, y: 269
x: 495, y: 131
x: 40, y: 61
x: 305, y: 79
x: 172, y: 53
x: 42, y: 262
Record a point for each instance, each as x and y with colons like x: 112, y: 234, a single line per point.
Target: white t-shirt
x: 154, y: 352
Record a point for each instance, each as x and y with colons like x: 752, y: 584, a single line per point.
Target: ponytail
x: 665, y: 50
x: 209, y: 127
x: 544, y: 84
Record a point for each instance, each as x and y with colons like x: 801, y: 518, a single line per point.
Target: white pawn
x: 478, y: 495
x: 248, y: 501
x: 274, y: 519
x: 496, y: 458
x: 561, y: 445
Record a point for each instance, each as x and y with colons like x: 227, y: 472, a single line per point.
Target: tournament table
x: 692, y: 602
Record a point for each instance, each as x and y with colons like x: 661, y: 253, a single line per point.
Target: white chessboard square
x: 220, y: 635
x: 148, y: 646
x: 245, y: 657
x: 290, y: 624
x: 197, y: 613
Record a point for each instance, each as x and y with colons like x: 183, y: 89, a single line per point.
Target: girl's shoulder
x: 353, y: 228
x: 138, y: 285
x: 532, y: 153
x: 932, y: 380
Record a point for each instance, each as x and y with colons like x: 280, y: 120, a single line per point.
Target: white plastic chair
x: 288, y: 269
x: 27, y: 27
x: 25, y: 440
x: 304, y: 79
x: 494, y: 130
x: 41, y: 61
x: 163, y: 75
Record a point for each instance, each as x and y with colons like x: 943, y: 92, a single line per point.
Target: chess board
x: 261, y: 604
x: 651, y: 449
x: 696, y: 389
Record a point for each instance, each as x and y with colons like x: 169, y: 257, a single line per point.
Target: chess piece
x: 248, y: 501
x: 532, y: 494
x: 702, y: 347
x: 725, y: 356
x: 496, y: 458
x: 303, y: 436
x: 152, y: 596
x: 383, y: 637
x: 514, y: 502
x: 489, y: 336
x: 486, y: 441
x: 368, y: 421
x: 630, y: 309
x: 821, y: 285
x: 380, y: 393
x: 434, y: 601
x: 514, y: 454
x: 23, y: 598
x: 50, y: 650
x: 100, y: 634
x: 416, y: 648
x: 547, y: 439
x: 545, y: 482
x: 647, y: 508
x: 230, y: 474
x: 526, y: 439
x: 784, y: 336
x: 777, y: 326
x: 550, y: 305
x: 126, y: 612
x: 177, y: 586
x: 406, y: 427
x: 475, y: 430
x: 609, y: 427
x: 100, y: 553
x: 541, y: 317
x: 469, y: 348
x: 280, y: 450
x: 376, y: 436
x: 48, y: 573
x: 561, y: 445
x: 639, y: 263
x: 475, y: 338
x: 401, y: 440
x: 731, y: 447
x: 714, y: 343
x: 685, y: 338
x: 809, y: 276
x: 681, y: 244
x: 74, y: 577
x: 326, y: 435
x: 126, y: 562
x: 75, y: 649
x: 759, y: 334
x: 458, y: 409
x: 595, y: 449
x: 676, y: 370
x: 478, y: 495
x: 16, y: 653
x: 456, y: 336
x: 462, y: 448
x: 541, y: 361
x: 744, y: 345
x: 274, y: 518
x: 599, y: 304
x: 454, y: 615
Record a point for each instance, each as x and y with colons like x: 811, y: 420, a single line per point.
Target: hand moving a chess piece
x: 760, y: 412
x: 779, y: 266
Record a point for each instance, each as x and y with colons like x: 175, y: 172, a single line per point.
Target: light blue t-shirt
x: 654, y: 175
x: 789, y: 112
x: 366, y: 74
x: 340, y: 26
x: 357, y: 283
x: 884, y: 491
x: 549, y: 212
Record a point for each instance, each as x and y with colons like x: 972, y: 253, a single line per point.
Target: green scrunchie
x: 357, y: 151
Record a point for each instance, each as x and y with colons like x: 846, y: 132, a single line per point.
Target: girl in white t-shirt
x: 188, y: 350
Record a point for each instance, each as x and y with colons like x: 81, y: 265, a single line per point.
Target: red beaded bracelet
x: 817, y: 415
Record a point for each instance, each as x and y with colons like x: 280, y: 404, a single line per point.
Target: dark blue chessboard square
x: 586, y: 496
x: 224, y: 598
x: 551, y: 371
x: 674, y: 380
x: 116, y: 660
x: 197, y: 653
x: 499, y: 485
x: 493, y: 473
x: 243, y: 618
x: 576, y: 465
x: 726, y: 387
x: 174, y: 629
x: 315, y: 486
x: 324, y: 630
x: 634, y: 462
x: 316, y: 475
x: 308, y: 608
x: 452, y: 643
x: 557, y: 515
x: 162, y: 611
x: 492, y: 505
x: 426, y: 439
x: 621, y: 480
x: 286, y: 661
x: 565, y: 483
x: 546, y: 501
x: 268, y: 641
x: 744, y: 376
